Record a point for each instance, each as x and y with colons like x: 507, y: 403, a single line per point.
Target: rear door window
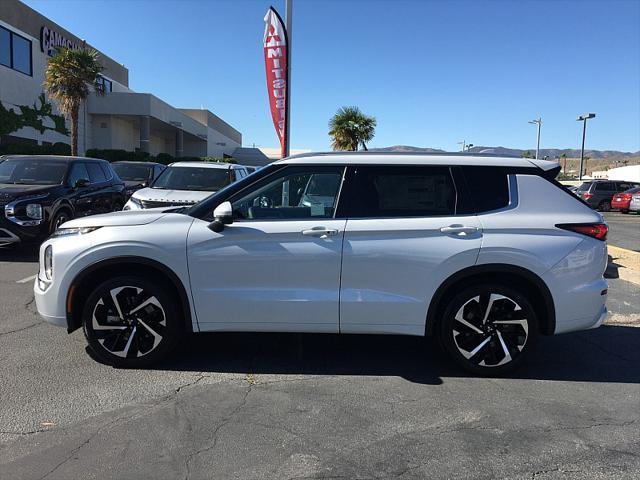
x: 605, y: 187
x: 78, y: 172
x: 402, y: 191
x: 489, y: 187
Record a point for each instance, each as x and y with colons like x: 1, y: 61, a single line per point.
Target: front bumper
x: 11, y: 233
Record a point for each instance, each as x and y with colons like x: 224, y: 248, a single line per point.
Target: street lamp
x: 469, y: 147
x: 583, y: 119
x: 539, y: 123
x: 463, y: 143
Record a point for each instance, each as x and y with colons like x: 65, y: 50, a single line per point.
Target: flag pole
x: 287, y: 128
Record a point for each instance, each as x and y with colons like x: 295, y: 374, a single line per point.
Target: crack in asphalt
x: 22, y: 329
x: 217, y: 429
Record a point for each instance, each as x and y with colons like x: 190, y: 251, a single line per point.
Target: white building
x: 121, y: 119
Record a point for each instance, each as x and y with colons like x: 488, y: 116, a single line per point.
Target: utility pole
x: 539, y: 123
x: 463, y: 143
x: 287, y: 121
x: 583, y: 119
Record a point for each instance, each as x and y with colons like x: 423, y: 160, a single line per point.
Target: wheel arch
x: 96, y: 273
x: 542, y: 299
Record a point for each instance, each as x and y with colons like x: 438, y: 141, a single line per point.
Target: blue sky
x: 432, y: 72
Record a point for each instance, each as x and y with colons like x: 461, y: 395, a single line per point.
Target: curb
x: 622, y: 251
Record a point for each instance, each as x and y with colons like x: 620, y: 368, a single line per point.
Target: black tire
x: 490, y: 348
x: 58, y: 219
x: 604, y: 206
x: 125, y: 335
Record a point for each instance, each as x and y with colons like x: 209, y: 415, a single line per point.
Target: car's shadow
x: 607, y: 354
x: 22, y: 253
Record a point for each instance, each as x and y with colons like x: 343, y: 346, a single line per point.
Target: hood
x: 177, y: 196
x: 9, y: 191
x: 119, y: 219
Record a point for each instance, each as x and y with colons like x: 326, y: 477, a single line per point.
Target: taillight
x: 587, y: 195
x: 593, y: 230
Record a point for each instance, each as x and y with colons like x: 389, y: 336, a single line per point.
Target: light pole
x: 469, y: 147
x: 539, y: 123
x: 463, y: 143
x: 583, y: 119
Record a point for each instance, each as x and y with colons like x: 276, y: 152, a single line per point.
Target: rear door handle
x: 321, y: 232
x: 459, y: 230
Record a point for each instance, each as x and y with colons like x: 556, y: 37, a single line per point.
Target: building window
x: 103, y: 84
x: 15, y: 51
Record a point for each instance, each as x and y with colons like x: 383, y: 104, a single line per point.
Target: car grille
x: 156, y: 203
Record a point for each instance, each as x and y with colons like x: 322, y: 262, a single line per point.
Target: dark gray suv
x: 598, y: 193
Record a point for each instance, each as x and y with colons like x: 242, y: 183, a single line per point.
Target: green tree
x: 527, y: 154
x: 68, y: 77
x: 351, y: 129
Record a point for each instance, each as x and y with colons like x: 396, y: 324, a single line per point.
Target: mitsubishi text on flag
x: 275, y: 59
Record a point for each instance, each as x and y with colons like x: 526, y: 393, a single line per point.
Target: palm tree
x: 67, y: 80
x: 350, y: 129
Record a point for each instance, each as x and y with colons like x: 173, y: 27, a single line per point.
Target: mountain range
x: 551, y: 153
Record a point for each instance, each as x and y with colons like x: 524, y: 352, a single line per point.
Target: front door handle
x: 320, y: 232
x: 459, y: 230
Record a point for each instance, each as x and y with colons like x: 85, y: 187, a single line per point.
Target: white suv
x: 483, y: 252
x: 186, y: 183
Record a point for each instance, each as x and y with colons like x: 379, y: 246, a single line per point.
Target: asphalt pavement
x: 624, y: 230
x: 259, y: 406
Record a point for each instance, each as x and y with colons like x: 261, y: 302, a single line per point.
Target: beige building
x: 121, y: 119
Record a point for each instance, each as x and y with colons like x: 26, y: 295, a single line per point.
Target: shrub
x: 57, y: 148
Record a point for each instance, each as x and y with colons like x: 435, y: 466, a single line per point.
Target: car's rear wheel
x: 604, y: 206
x: 489, y: 329
x: 131, y: 322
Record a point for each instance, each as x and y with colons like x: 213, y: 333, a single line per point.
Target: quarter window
x: 15, y: 51
x: 295, y: 193
x: 403, y: 191
x: 489, y: 187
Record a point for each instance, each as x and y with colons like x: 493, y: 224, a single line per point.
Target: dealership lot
x: 296, y: 406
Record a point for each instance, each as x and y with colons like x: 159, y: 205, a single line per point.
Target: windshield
x: 32, y: 171
x: 193, y: 178
x: 584, y: 187
x: 132, y: 173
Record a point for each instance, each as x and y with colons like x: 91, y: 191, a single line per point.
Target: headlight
x: 34, y: 210
x: 65, y: 232
x: 48, y: 262
x: 133, y: 204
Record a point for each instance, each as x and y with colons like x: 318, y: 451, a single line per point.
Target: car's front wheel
x: 488, y: 329
x: 131, y: 322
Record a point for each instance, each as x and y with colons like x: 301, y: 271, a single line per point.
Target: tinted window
x: 106, y: 169
x: 193, y: 178
x: 21, y: 54
x: 604, y: 187
x: 78, y: 172
x: 132, y: 172
x: 5, y: 47
x: 489, y: 187
x: 402, y: 192
x: 96, y: 175
x: 25, y: 171
x: 291, y: 194
x: 584, y: 187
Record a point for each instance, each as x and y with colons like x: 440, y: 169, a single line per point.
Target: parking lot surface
x: 300, y: 406
x: 624, y: 230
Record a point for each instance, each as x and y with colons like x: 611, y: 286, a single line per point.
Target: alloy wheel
x: 128, y: 322
x: 490, y: 330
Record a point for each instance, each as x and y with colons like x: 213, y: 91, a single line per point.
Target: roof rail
x: 417, y: 154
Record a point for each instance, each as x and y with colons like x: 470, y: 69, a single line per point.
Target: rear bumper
x: 620, y: 205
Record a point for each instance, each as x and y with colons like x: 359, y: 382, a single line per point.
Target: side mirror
x: 223, y: 215
x: 81, y: 182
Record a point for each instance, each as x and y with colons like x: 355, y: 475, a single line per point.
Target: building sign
x: 275, y: 59
x: 50, y: 40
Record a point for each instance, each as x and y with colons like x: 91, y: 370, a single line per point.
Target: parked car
x: 137, y: 175
x: 634, y: 204
x: 485, y: 253
x: 186, y: 183
x: 621, y: 201
x: 598, y: 193
x: 38, y: 193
